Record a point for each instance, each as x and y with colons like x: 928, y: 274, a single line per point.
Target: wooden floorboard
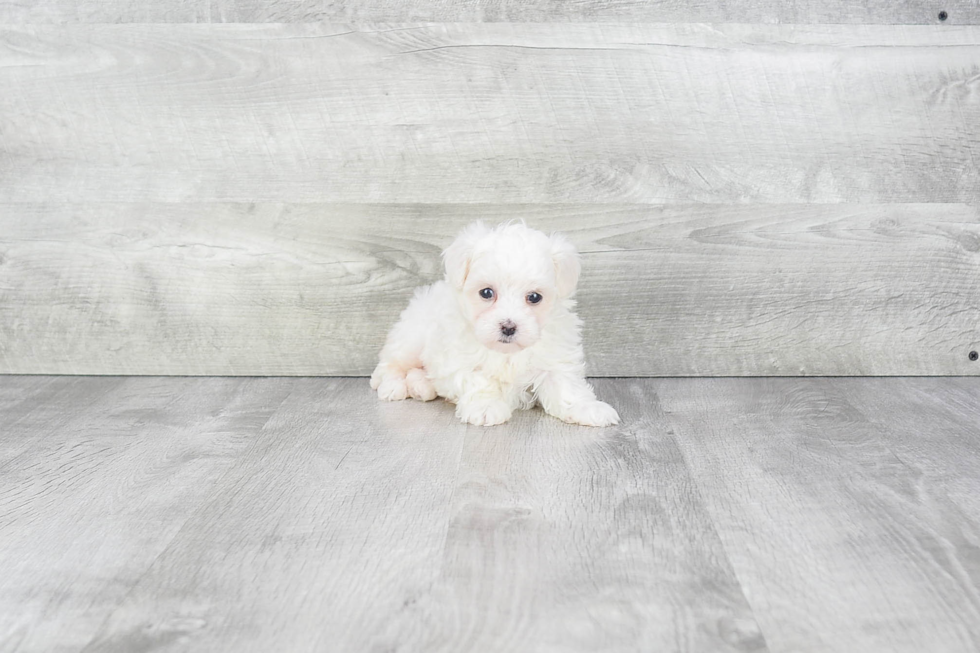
x: 217, y: 514
x: 112, y: 471
x: 837, y: 520
x: 570, y: 539
x: 338, y: 514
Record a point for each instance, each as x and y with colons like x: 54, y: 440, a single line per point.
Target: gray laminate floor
x: 220, y: 514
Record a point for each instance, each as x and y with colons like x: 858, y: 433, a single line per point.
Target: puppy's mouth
x: 507, y: 345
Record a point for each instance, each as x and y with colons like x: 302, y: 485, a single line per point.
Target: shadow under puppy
x: 499, y: 333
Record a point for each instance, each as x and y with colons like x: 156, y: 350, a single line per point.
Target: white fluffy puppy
x: 498, y: 334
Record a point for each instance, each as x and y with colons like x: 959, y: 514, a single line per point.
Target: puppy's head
x: 509, y: 279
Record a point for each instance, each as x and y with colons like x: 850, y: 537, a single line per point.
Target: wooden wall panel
x: 494, y: 113
x: 260, y: 199
x: 268, y: 289
x: 666, y: 11
x: 104, y: 11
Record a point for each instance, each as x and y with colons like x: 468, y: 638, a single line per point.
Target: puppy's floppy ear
x: 458, y: 256
x: 567, y: 266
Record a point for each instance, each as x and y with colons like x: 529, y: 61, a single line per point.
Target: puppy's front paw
x: 392, y: 388
x: 484, y: 414
x: 592, y: 413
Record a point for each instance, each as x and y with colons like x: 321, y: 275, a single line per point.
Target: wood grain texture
x: 570, y: 539
x: 838, y: 522
x: 313, y: 289
x: 351, y: 524
x: 665, y: 11
x: 783, y: 515
x: 96, y: 480
x: 669, y: 11
x: 103, y: 11
x: 496, y: 113
x: 940, y: 439
x: 322, y: 536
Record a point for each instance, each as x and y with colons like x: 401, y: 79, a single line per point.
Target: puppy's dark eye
x: 486, y: 293
x: 533, y: 298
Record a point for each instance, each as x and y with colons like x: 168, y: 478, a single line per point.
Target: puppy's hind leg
x: 399, y: 357
x: 390, y: 383
x: 419, y: 385
x: 389, y: 379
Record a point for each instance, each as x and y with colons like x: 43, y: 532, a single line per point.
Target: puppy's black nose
x: 508, y: 328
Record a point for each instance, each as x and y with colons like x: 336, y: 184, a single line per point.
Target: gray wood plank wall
x: 309, y: 289
x: 885, y: 12
x: 259, y: 198
x: 497, y: 113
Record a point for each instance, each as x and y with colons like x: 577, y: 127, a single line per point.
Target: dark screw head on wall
x: 943, y: 15
x: 974, y: 356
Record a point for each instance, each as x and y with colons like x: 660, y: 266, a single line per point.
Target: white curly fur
x: 451, y: 341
